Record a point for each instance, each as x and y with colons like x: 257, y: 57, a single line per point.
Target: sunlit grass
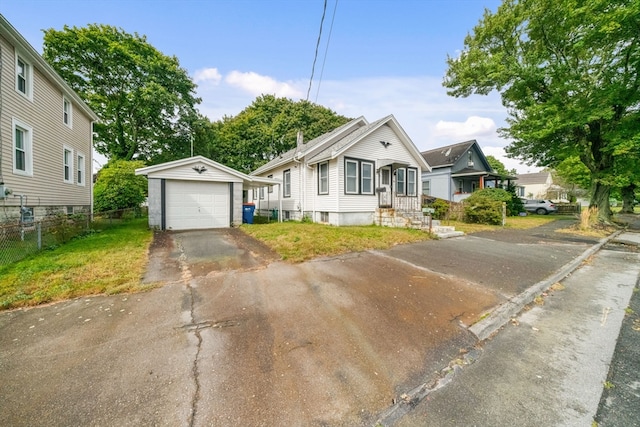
x: 104, y: 262
x: 513, y: 222
x: 296, y: 242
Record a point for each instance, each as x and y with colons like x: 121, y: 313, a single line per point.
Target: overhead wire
x: 326, y: 50
x: 315, y: 57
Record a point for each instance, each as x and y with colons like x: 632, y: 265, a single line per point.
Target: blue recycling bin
x: 247, y: 213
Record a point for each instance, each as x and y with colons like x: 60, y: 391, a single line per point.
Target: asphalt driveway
x: 236, y: 337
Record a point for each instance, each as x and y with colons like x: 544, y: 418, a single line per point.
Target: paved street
x: 237, y: 338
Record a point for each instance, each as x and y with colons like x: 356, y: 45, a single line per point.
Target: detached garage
x: 196, y: 193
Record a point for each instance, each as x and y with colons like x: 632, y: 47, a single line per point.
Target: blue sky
x: 383, y: 56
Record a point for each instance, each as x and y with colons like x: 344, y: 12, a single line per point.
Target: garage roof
x: 204, y: 169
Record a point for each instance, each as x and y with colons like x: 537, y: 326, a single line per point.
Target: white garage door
x: 196, y: 204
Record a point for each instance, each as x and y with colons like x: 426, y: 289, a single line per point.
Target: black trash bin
x: 247, y: 213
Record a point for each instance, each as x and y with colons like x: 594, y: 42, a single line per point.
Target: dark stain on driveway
x: 200, y: 252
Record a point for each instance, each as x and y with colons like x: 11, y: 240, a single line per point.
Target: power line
x: 315, y: 57
x: 326, y: 50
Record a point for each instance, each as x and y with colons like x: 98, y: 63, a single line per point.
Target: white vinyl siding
x: 81, y: 170
x: 67, y: 164
x: 22, y: 148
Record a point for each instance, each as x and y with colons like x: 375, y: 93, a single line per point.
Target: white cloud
x: 257, y: 84
x: 474, y: 127
x: 207, y: 76
x: 430, y: 117
x: 499, y: 153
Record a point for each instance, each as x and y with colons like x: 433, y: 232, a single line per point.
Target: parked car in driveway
x: 539, y: 206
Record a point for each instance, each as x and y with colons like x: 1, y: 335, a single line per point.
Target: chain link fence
x: 17, y: 241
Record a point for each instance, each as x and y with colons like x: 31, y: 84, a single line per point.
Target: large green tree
x: 145, y: 100
x: 568, y: 72
x: 118, y: 187
x: 266, y: 129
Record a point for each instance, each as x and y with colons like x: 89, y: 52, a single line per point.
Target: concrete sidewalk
x: 549, y: 364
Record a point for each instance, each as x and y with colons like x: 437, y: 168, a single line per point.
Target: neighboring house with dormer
x: 535, y: 185
x: 457, y: 171
x: 45, y: 136
x: 352, y: 175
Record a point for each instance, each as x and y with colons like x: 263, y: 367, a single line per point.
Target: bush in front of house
x: 441, y: 208
x: 485, y: 206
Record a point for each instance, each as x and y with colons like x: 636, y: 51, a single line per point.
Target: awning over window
x: 390, y: 162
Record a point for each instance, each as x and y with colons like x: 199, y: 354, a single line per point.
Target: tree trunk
x: 628, y: 196
x: 600, y: 199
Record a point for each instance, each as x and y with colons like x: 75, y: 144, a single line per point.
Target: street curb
x: 486, y: 327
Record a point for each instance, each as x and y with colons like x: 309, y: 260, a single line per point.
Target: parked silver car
x: 539, y: 206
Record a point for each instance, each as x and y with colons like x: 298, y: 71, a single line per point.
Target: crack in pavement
x: 194, y: 327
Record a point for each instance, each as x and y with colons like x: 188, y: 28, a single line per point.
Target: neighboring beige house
x: 45, y: 136
x: 534, y: 185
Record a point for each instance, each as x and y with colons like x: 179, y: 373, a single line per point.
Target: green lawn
x: 107, y: 261
x: 296, y: 242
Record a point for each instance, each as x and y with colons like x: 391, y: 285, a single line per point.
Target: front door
x: 384, y: 190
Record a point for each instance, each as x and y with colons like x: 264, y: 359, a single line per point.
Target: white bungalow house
x: 536, y: 185
x: 360, y: 173
x: 457, y: 171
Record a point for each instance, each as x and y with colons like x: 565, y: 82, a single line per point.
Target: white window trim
x: 370, y: 177
x: 28, y: 147
x: 412, y: 187
x: 28, y: 71
x: 68, y: 114
x: 346, y: 177
x: 64, y: 165
x: 401, y: 191
x: 286, y: 183
x: 324, y: 179
x: 81, y: 170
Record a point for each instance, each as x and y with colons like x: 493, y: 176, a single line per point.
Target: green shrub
x: 441, y: 208
x: 118, y: 187
x: 483, y: 210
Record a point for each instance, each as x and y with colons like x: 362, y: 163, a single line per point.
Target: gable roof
x: 15, y: 38
x: 201, y: 160
x: 312, y: 146
x: 533, y: 178
x: 448, y: 155
x: 334, y: 143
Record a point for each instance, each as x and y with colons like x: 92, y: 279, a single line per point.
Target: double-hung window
x: 358, y: 175
x: 24, y: 77
x: 22, y: 148
x: 270, y: 188
x: 323, y: 178
x: 81, y: 173
x: 67, y: 112
x: 286, y: 183
x: 351, y: 168
x: 412, y: 183
x: 67, y: 160
x: 401, y: 182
